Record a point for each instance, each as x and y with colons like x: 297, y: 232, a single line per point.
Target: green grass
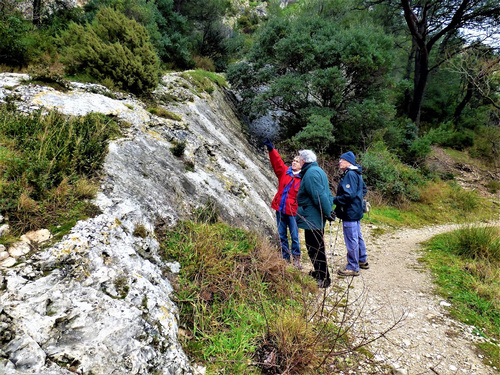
x: 49, y: 164
x: 237, y: 298
x: 466, y: 268
x: 493, y: 186
x: 211, y: 293
x: 203, y: 80
x: 161, y: 112
x: 440, y: 203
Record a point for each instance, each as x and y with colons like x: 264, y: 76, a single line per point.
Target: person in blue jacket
x: 349, y: 209
x: 315, y: 207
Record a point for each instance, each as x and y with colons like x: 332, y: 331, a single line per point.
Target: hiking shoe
x: 296, y: 262
x: 364, y: 265
x: 324, y: 283
x: 346, y: 272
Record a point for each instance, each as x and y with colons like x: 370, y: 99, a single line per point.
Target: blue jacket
x: 314, y: 198
x: 350, y: 193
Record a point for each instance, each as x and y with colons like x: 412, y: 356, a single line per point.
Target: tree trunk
x: 418, y: 30
x: 407, y: 95
x: 178, y: 6
x: 37, y: 10
x: 463, y: 103
x: 420, y: 81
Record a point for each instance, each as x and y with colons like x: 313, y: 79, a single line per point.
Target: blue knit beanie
x: 349, y: 156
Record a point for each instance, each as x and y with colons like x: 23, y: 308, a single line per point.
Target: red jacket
x: 285, y: 200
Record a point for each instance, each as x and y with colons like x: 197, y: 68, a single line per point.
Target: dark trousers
x: 315, y: 245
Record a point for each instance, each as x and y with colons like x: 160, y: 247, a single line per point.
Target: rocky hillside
x: 97, y: 302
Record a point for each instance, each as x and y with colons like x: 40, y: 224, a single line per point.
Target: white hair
x: 308, y: 156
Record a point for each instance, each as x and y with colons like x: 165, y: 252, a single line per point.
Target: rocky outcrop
x: 98, y: 302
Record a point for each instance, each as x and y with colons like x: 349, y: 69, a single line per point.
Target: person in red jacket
x: 285, y: 203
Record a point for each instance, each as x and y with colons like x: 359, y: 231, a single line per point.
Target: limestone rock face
x: 97, y: 302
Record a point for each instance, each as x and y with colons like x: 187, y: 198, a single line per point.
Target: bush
x: 113, y: 47
x: 14, y: 48
x: 385, y: 173
x: 49, y: 72
x: 204, y: 63
x: 178, y: 149
x: 487, y: 144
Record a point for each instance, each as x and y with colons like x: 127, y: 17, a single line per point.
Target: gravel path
x: 397, y: 287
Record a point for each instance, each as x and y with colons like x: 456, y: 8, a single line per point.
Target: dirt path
x: 427, y: 340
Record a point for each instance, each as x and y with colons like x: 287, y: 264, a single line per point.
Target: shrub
x: 178, y: 149
x: 49, y: 72
x: 113, y: 47
x: 317, y: 134
x: 204, y: 63
x: 385, y: 173
x: 487, y: 144
x: 15, y: 43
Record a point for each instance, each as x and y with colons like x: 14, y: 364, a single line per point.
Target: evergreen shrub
x: 14, y: 48
x: 113, y: 47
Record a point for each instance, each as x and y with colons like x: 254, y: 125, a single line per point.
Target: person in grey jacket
x: 349, y: 209
x: 315, y: 207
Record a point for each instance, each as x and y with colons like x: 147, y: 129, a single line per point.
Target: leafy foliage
x: 317, y: 134
x: 310, y: 66
x: 209, y: 33
x: 167, y: 29
x: 14, y: 33
x: 113, y: 47
x: 387, y: 175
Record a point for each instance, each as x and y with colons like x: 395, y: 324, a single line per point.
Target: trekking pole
x: 335, y: 243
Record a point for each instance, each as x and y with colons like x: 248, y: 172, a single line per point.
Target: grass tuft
x: 140, y: 231
x: 162, y: 112
x: 465, y: 264
x: 477, y: 243
x: 47, y: 162
x: 203, y: 80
